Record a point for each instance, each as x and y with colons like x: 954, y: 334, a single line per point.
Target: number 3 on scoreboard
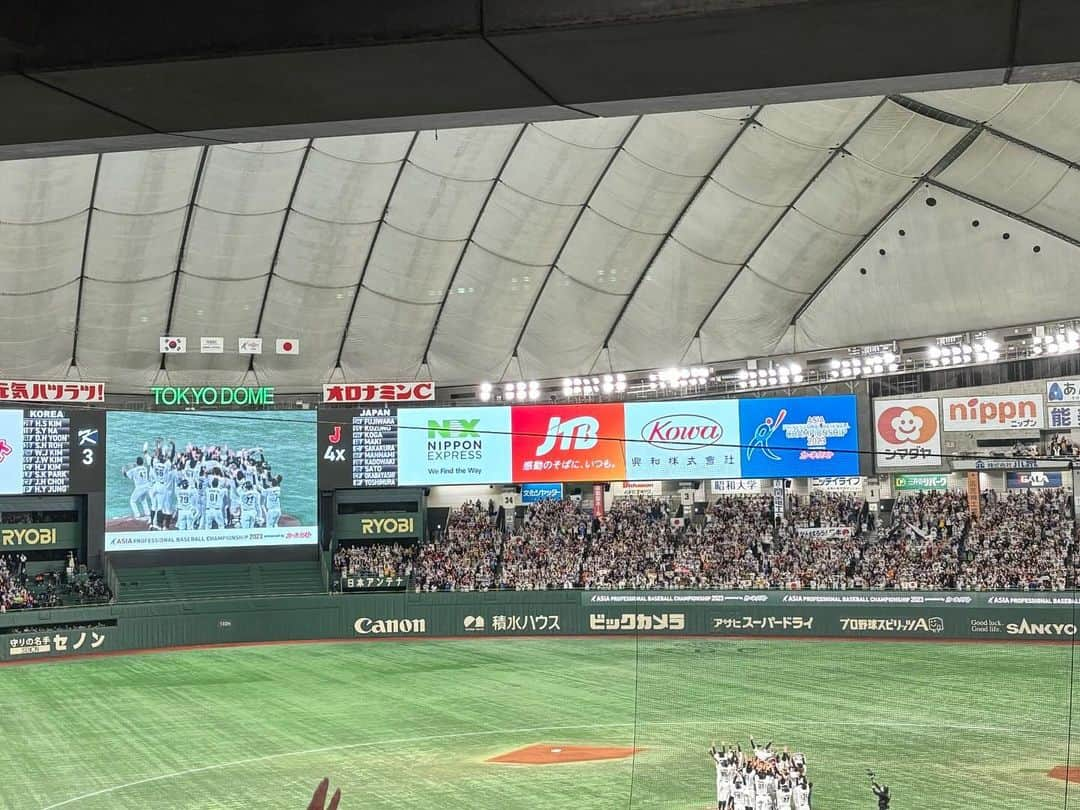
x: 87, y: 456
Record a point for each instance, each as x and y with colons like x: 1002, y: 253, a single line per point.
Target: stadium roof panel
x: 662, y: 238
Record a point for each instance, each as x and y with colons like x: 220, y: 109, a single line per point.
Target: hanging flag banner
x: 211, y: 345
x: 172, y: 345
x: 249, y: 345
x: 598, y: 500
x: 379, y: 392
x: 737, y: 486
x: 37, y: 391
x: 974, y: 501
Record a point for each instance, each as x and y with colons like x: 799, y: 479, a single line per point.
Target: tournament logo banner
x: 568, y: 442
x: 907, y: 433
x: 680, y: 439
x: 798, y: 437
x: 454, y: 445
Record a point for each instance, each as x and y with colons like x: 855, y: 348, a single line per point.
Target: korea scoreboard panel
x: 51, y: 451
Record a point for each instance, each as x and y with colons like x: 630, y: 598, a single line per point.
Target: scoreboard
x: 375, y: 447
x: 51, y: 451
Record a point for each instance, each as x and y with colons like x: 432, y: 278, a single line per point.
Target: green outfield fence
x: 783, y: 614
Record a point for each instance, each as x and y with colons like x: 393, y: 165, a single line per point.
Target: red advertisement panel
x: 568, y: 442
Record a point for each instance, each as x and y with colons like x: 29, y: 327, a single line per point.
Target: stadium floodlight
x: 845, y: 372
x: 743, y: 374
x: 894, y: 366
x: 798, y: 378
x: 794, y: 367
x: 834, y: 364
x: 888, y: 358
x: 933, y: 351
x: 834, y: 373
x: 485, y: 392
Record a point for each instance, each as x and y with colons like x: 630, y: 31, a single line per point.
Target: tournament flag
x: 288, y: 346
x: 249, y: 345
x: 172, y: 345
x: 212, y: 345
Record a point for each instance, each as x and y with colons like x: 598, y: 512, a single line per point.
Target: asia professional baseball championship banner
x: 796, y: 437
x: 907, y: 433
x: 211, y: 480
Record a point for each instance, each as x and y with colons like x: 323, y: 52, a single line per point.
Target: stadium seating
x: 214, y: 581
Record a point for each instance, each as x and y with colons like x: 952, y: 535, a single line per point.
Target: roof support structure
x: 940, y: 166
x: 749, y: 122
x: 371, y: 249
x: 183, y: 241
x: 787, y: 210
x: 570, y: 232
x: 468, y: 241
x: 82, y: 265
x: 277, y: 246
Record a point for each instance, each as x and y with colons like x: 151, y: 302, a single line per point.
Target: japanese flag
x: 172, y: 345
x: 288, y: 346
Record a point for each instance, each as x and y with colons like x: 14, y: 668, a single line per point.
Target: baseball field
x: 404, y: 724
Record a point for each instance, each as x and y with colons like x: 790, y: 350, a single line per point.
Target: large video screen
x: 780, y: 437
x: 211, y: 480
x: 51, y: 451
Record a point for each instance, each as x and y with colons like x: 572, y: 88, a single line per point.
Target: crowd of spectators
x: 51, y: 587
x: 1019, y: 540
x: 1062, y: 445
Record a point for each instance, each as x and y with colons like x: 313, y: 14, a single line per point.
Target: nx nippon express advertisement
x: 453, y: 445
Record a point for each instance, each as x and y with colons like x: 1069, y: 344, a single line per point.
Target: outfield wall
x: 792, y: 614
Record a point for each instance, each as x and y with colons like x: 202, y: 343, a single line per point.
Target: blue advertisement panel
x: 796, y: 437
x: 1036, y: 479
x: 682, y: 439
x: 210, y: 480
x: 454, y: 446
x: 531, y: 493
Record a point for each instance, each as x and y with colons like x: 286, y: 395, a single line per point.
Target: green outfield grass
x: 410, y: 724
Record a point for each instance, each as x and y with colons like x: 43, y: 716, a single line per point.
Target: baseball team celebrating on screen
x: 209, y: 487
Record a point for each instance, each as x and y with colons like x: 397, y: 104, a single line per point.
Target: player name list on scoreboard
x: 46, y: 451
x: 374, y: 450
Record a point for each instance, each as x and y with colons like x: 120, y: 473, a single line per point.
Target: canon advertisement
x: 650, y: 441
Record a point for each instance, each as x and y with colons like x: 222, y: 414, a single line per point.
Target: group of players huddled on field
x: 211, y: 487
x: 761, y: 780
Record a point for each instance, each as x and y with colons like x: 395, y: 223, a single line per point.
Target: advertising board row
x: 386, y: 612
x: 701, y: 439
x: 907, y: 432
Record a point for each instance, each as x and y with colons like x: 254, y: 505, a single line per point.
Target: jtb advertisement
x: 648, y: 441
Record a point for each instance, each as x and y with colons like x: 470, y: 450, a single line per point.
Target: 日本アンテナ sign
x: 212, y: 396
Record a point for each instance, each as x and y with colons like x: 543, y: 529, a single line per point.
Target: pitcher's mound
x: 1071, y: 774
x: 544, y: 754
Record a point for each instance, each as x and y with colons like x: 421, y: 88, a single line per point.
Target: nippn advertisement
x: 676, y: 439
x: 568, y: 442
x: 798, y: 436
x: 453, y: 445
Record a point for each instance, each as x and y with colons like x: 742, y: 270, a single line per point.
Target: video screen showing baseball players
x: 211, y: 480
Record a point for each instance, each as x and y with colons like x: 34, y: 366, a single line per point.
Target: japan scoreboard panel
x: 51, y: 451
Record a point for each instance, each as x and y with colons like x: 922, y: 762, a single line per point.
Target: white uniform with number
x: 800, y: 797
x: 141, y: 479
x: 744, y: 797
x: 783, y: 798
x: 215, y: 508
x: 723, y: 780
x: 249, y: 508
x: 187, y: 503
x: 158, y: 469
x: 272, y: 495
